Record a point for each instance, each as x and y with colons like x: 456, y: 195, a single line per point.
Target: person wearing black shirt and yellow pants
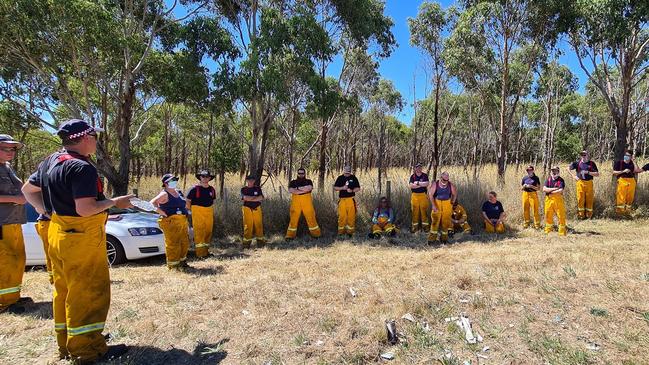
x: 625, y: 171
x: 67, y: 187
x: 12, y: 216
x: 172, y: 208
x: 301, y: 203
x: 200, y: 200
x: 530, y: 185
x: 347, y: 186
x: 586, y: 169
x: 419, y: 200
x: 554, y: 203
x: 253, y: 226
x: 493, y: 214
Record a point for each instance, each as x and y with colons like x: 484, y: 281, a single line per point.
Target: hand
x: 123, y: 202
x: 575, y: 177
x: 626, y: 171
x: 435, y: 209
x: 350, y: 190
x: 162, y: 213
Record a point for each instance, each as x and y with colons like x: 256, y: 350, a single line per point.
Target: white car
x: 130, y: 234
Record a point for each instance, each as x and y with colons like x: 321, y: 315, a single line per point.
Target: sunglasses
x: 8, y: 149
x: 301, y: 173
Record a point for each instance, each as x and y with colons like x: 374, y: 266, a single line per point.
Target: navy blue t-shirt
x: 530, y: 180
x: 580, y: 166
x: 201, y: 196
x: 352, y: 182
x: 492, y: 210
x: 421, y: 178
x: 70, y: 177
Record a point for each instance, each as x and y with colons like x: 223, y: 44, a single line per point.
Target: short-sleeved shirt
x: 580, y: 166
x: 421, y: 178
x: 251, y: 191
x: 530, y: 180
x: 70, y: 176
x: 201, y: 196
x: 298, y: 183
x: 10, y: 184
x: 620, y: 165
x: 492, y: 210
x: 558, y: 183
x: 352, y: 182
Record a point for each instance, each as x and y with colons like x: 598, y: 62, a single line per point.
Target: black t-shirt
x: 589, y: 166
x: 201, y: 196
x: 645, y: 167
x: 298, y: 183
x: 251, y: 191
x: 421, y: 178
x: 533, y: 180
x: 558, y: 183
x: 492, y: 210
x: 620, y: 165
x: 352, y: 182
x: 70, y: 177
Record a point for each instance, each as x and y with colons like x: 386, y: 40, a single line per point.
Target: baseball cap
x: 347, y: 169
x: 5, y: 138
x: 555, y: 168
x: 251, y: 177
x: 75, y: 128
x: 418, y: 164
x: 168, y: 177
x: 528, y: 168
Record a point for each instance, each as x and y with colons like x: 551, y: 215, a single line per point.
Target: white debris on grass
x: 409, y: 317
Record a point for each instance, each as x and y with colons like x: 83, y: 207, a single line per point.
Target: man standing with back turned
x: 67, y: 187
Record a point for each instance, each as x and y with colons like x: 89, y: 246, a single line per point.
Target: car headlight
x: 144, y: 231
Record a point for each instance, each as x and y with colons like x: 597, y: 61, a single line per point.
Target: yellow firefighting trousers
x: 42, y: 228
x: 203, y: 222
x: 302, y: 204
x: 585, y: 196
x: 441, y: 220
x: 176, y: 232
x: 383, y: 226
x: 489, y: 227
x: 346, y: 215
x: 252, y: 226
x: 531, y: 201
x: 81, y: 284
x: 625, y: 194
x: 419, y: 206
x: 554, y: 204
x: 12, y: 264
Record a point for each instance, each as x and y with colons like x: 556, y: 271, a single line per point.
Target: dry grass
x: 535, y: 299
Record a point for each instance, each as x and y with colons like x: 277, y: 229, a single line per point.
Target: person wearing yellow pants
x: 301, y: 203
x: 625, y: 171
x: 441, y: 194
x: 419, y: 200
x: 347, y: 186
x: 585, y: 169
x: 530, y: 185
x: 66, y: 186
x: 459, y: 219
x: 383, y: 220
x: 493, y: 214
x: 12, y: 216
x: 253, y: 225
x: 200, y: 202
x: 42, y: 226
x: 172, y: 207
x: 554, y: 203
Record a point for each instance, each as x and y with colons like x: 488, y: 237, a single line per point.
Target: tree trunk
x: 322, y: 158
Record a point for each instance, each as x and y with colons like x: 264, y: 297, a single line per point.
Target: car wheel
x: 115, y: 251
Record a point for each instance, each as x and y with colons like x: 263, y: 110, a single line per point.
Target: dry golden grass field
x: 533, y: 298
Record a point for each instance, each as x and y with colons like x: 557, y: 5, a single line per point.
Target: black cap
x: 204, y: 173
x: 251, y: 177
x: 75, y: 128
x: 168, y: 177
x: 5, y: 138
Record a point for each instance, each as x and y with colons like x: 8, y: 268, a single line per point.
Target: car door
x: 33, y: 244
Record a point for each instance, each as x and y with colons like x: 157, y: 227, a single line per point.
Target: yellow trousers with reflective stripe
x: 81, y: 284
x: 441, y: 220
x: 554, y: 204
x: 625, y: 194
x: 346, y: 216
x: 384, y: 227
x: 490, y: 228
x: 466, y: 227
x: 531, y: 202
x: 302, y: 204
x: 419, y: 206
x: 253, y: 225
x: 176, y: 232
x: 42, y: 228
x: 12, y: 264
x: 585, y: 197
x: 203, y: 222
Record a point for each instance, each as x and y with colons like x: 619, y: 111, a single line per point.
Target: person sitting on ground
x: 460, y: 219
x: 383, y: 220
x: 493, y: 214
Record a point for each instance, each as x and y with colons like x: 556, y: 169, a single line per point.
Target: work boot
x: 370, y: 235
x: 114, y: 352
x: 393, y: 233
x: 261, y: 243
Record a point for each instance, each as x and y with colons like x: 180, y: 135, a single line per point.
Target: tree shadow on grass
x: 203, y: 353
